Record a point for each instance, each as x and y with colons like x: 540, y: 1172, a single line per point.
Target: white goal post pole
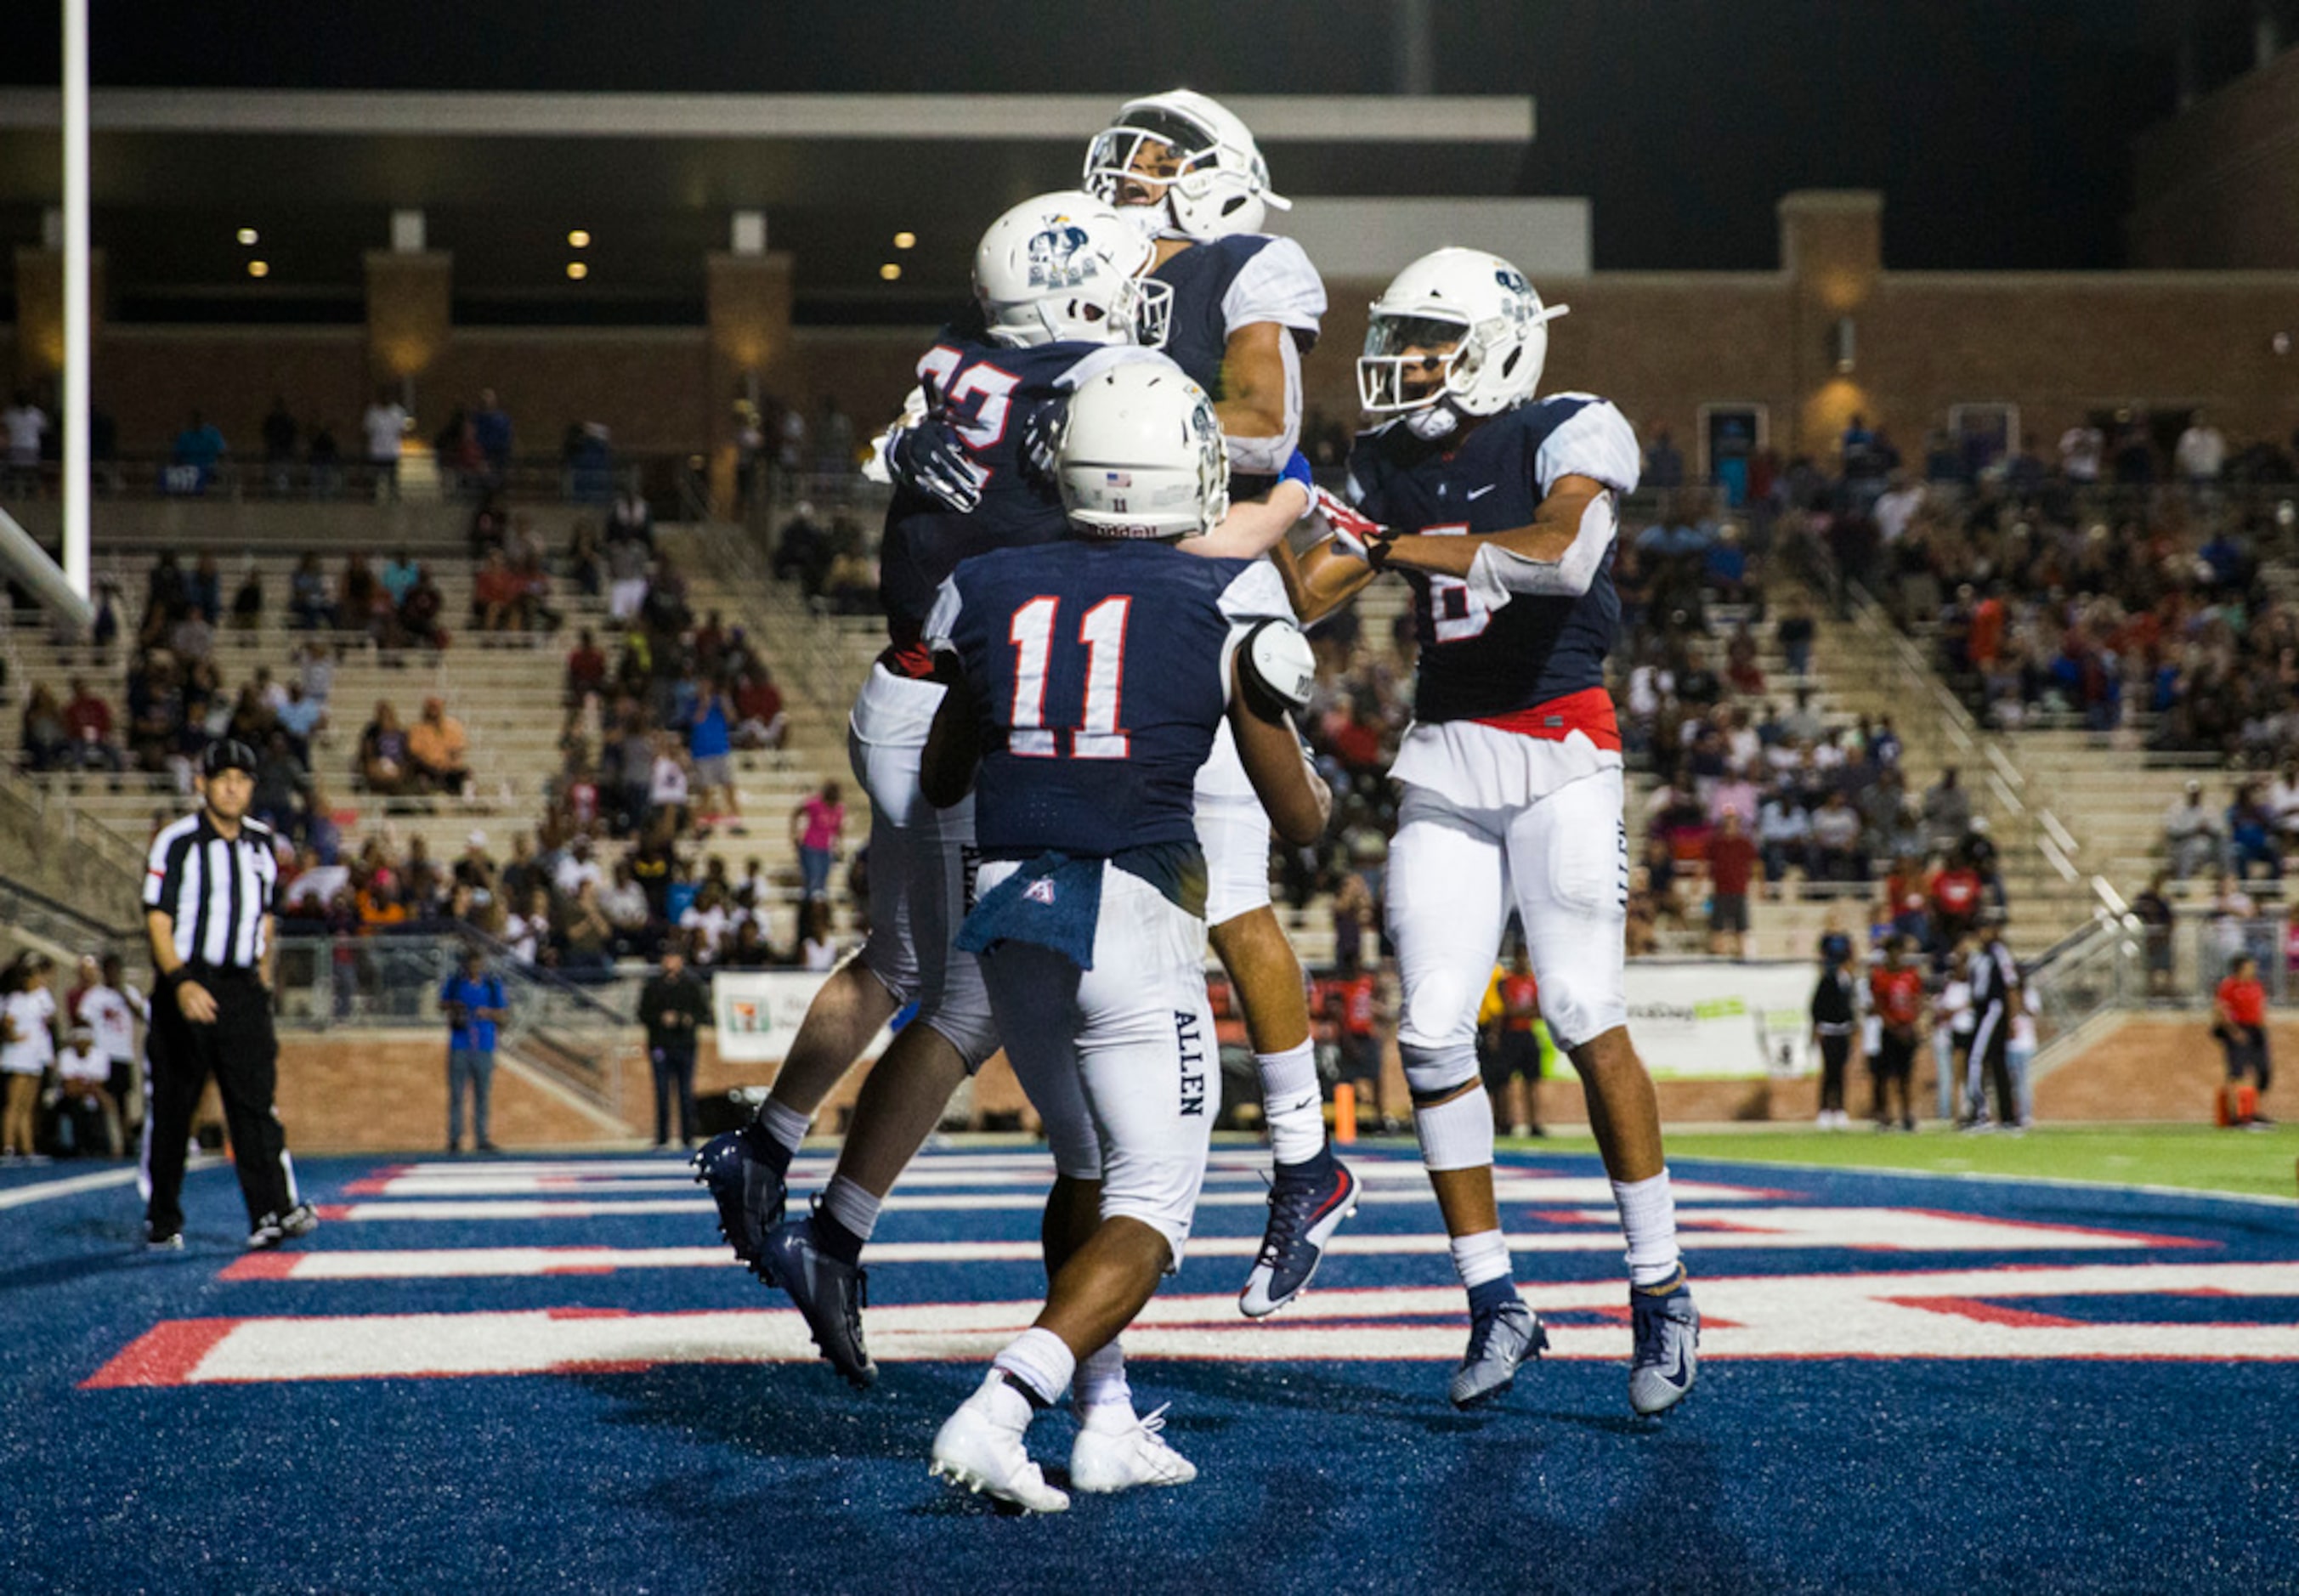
x: 75, y: 417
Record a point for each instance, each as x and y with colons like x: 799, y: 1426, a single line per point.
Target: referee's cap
x: 228, y: 754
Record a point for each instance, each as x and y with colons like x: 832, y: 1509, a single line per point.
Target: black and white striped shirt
x: 217, y: 891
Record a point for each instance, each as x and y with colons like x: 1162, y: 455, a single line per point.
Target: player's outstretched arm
x: 1253, y: 527
x: 1259, y: 410
x: 1296, y: 796
x: 953, y: 747
x: 1557, y: 554
x: 1321, y: 579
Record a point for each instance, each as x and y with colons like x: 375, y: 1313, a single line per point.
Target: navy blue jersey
x: 1479, y: 662
x: 985, y: 390
x: 1099, y: 669
x: 1210, y: 301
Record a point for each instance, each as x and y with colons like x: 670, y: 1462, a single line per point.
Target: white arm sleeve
x: 942, y: 620
x: 1279, y: 284
x: 1497, y: 575
x: 1595, y: 441
x: 1266, y: 456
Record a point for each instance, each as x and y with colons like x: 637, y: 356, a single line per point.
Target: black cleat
x: 828, y: 1291
x: 751, y: 1196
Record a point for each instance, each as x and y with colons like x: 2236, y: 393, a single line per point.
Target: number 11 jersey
x: 1100, y: 671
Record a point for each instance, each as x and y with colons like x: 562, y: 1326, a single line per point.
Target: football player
x: 1091, y: 917
x: 1246, y: 307
x: 1498, y: 508
x: 1061, y: 296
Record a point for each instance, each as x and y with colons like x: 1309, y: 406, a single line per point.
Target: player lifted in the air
x: 1088, y: 681
x: 1498, y: 508
x: 1059, y: 282
x: 1246, y: 306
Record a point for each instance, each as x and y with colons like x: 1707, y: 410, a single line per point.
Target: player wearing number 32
x: 1088, y: 680
x: 1498, y: 508
x: 1058, y: 279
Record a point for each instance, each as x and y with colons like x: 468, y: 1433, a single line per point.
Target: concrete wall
x: 2055, y: 345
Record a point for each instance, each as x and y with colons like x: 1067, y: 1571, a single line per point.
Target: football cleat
x: 751, y: 1196
x: 1119, y: 1459
x: 829, y: 1292
x: 163, y: 1241
x: 302, y: 1219
x: 980, y: 1447
x: 1306, y: 1207
x: 265, y: 1233
x: 1667, y: 1358
x: 1500, y: 1340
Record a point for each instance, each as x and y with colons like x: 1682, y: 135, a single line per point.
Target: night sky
x: 1999, y: 131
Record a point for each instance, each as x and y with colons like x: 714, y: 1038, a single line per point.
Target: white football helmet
x: 1067, y: 266
x: 1478, y: 310
x: 1220, y: 184
x: 1141, y: 454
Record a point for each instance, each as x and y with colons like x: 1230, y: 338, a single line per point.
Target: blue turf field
x: 458, y: 1382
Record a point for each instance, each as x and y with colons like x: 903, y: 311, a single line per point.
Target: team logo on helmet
x: 1061, y: 257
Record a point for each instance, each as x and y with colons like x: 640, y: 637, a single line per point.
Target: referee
x: 207, y: 902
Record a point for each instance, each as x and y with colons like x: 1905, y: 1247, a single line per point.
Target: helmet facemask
x: 1412, y: 362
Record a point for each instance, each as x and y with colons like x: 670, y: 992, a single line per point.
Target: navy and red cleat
x: 1306, y: 1204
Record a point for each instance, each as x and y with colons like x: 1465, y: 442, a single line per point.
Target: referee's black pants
x: 674, y: 1077
x: 242, y: 1052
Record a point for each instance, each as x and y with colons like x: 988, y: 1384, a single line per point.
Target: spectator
x: 1834, y: 1015
x: 631, y: 520
x: 498, y: 596
x: 112, y: 1006
x: 86, y: 1109
x: 2200, y: 453
x: 26, y: 425
x: 587, y: 943
x: 27, y: 1047
x: 818, y: 945
x: 2241, y: 1032
x: 1731, y: 861
x: 473, y: 997
x: 1957, y: 897
x: 384, y: 427
x: 706, y: 923
x: 2195, y: 838
x: 628, y: 564
x: 761, y: 722
x: 816, y: 827
x: 419, y: 617
x: 248, y: 599
x: 673, y: 1008
x: 2153, y: 912
x: 1947, y: 810
x: 576, y: 868
x: 586, y: 668
x: 46, y: 744
x: 491, y: 432
x: 199, y: 449
x: 280, y: 434
x: 528, y: 933
x: 624, y: 902
x: 325, y: 457
x: 399, y: 576
x: 1664, y: 462
x: 383, y: 766
x: 437, y: 750
x: 1836, y: 848
x: 669, y: 785
x: 711, y: 745
x: 310, y: 608
x: 1783, y: 833
x: 2252, y: 834
x: 87, y: 722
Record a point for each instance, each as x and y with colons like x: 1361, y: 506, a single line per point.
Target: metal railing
x: 573, y: 1031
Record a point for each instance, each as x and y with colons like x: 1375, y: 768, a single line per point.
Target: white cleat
x: 1119, y: 1459
x: 980, y: 1447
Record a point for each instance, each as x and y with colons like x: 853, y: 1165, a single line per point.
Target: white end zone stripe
x: 1891, y: 1230
x: 1940, y: 1314
x: 1506, y: 1190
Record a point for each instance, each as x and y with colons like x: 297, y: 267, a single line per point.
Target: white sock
x: 1481, y: 1257
x: 1648, y: 1219
x: 1039, y: 1363
x: 1292, y: 1102
x: 1099, y: 1392
x: 851, y: 1206
x: 784, y: 1123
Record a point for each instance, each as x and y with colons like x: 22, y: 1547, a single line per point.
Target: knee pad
x: 960, y: 1011
x: 1434, y: 1071
x: 1457, y: 1133
x: 893, y: 965
x: 1076, y: 1149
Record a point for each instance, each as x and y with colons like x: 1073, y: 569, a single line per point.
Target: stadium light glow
x: 259, y: 269
x: 889, y: 271
x: 247, y: 234
x: 579, y: 239
x: 577, y: 271
x: 905, y: 240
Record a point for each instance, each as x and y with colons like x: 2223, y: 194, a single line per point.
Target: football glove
x: 1355, y: 533
x: 927, y: 457
x: 1041, y: 437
